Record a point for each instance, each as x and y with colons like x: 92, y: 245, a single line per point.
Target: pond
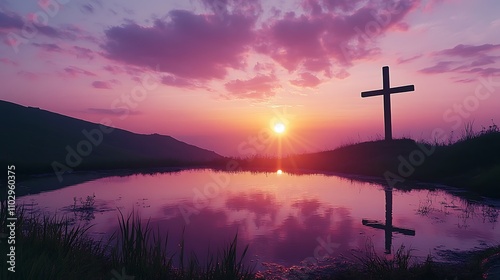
x: 285, y: 219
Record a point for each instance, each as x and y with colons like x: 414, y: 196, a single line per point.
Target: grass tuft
x: 56, y: 248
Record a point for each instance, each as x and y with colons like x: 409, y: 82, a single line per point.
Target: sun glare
x: 279, y: 128
x: 279, y: 172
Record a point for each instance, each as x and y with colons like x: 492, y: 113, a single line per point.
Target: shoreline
x: 90, y: 175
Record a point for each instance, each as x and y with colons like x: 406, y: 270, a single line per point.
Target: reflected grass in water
x: 51, y: 248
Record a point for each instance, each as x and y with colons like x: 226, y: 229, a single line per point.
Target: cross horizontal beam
x: 389, y: 91
x: 379, y: 225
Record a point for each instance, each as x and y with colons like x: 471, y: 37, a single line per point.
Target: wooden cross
x: 387, y: 227
x: 386, y: 92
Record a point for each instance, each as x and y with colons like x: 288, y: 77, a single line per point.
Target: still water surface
x: 286, y: 219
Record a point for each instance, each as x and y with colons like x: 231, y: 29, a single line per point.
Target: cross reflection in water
x: 388, y: 227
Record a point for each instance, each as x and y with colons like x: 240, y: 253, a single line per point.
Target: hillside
x: 34, y: 140
x: 472, y: 163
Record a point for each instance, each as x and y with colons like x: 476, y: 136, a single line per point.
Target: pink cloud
x: 264, y: 67
x: 87, y: 9
x: 259, y: 87
x: 101, y: 85
x: 79, y: 33
x: 193, y: 48
x: 332, y: 32
x: 74, y: 72
x: 12, y: 22
x: 402, y: 26
x: 115, y: 81
x: 48, y: 47
x: 171, y: 80
x: 483, y: 60
x: 223, y: 8
x: 406, y: 60
x: 469, y: 50
x: 485, y: 71
x: 341, y: 5
x: 28, y: 75
x: 8, y: 61
x: 472, y: 60
x: 81, y: 52
x: 187, y: 45
x: 468, y: 80
x: 307, y: 80
x: 75, y: 51
x: 440, y: 67
x: 115, y: 70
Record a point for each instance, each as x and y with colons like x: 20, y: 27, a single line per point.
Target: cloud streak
x: 101, y: 85
x: 469, y: 50
x: 466, y: 59
x: 74, y: 72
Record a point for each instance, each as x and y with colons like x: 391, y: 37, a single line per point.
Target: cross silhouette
x: 386, y: 91
x: 388, y: 227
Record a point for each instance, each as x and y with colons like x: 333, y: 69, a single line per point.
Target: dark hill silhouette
x: 472, y: 162
x: 33, y: 139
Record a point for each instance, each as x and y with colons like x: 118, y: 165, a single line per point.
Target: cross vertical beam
x: 387, y: 103
x: 386, y: 91
x: 388, y: 221
x: 388, y: 228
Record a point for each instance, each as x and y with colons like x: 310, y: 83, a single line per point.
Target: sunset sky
x: 219, y: 73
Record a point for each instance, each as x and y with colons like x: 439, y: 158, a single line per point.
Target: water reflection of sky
x: 284, y: 218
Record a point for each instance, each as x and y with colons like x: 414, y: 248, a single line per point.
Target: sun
x: 279, y: 128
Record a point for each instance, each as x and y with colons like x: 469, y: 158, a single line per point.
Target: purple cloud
x: 472, y: 58
x: 194, y: 48
x: 73, y: 71
x: 332, y: 5
x: 101, y: 85
x: 440, y: 67
x: 48, y: 47
x: 223, y: 8
x: 8, y: 61
x: 171, y: 80
x: 187, y: 45
x: 28, y: 75
x: 80, y: 52
x: 115, y: 70
x: 465, y: 81
x: 469, y: 50
x: 87, y: 9
x: 331, y: 32
x: 485, y: 71
x: 75, y: 51
x: 10, y: 21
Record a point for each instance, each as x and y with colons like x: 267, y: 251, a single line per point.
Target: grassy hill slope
x: 472, y: 163
x: 34, y: 139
